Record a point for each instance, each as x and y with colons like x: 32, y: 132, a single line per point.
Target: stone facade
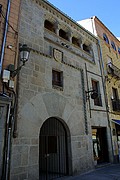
x: 40, y: 101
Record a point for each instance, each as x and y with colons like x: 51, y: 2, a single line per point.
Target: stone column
x: 69, y: 34
x: 82, y: 42
x: 56, y: 26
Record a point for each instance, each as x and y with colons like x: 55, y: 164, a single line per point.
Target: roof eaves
x: 95, y: 17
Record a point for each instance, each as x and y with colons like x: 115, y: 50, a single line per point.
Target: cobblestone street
x: 109, y: 172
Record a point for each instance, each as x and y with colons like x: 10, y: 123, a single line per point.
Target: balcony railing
x: 116, y: 104
x: 113, y: 70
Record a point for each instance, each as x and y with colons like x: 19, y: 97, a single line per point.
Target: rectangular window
x: 57, y: 78
x: 115, y: 100
x: 115, y: 93
x: 95, y: 86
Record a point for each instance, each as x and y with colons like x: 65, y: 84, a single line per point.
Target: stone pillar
x: 69, y: 34
x: 82, y: 42
x: 91, y: 49
x: 56, y: 26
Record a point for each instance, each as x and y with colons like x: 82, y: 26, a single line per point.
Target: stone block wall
x: 38, y: 100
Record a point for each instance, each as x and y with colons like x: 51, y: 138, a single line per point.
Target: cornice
x: 64, y: 17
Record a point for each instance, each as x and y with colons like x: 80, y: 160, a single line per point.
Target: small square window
x: 57, y: 78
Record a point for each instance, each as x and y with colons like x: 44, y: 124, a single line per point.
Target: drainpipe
x: 7, y: 169
x: 4, y: 35
x: 6, y: 161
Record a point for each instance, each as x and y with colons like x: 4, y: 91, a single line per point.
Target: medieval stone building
x: 62, y: 124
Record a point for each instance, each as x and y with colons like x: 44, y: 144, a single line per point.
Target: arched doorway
x: 53, y: 150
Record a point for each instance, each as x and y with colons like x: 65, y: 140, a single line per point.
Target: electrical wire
x: 8, y: 22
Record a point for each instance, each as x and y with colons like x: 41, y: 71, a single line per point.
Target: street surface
x: 109, y: 172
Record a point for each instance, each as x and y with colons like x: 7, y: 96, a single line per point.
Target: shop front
x: 100, y: 147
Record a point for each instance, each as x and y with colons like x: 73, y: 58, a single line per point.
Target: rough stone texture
x: 38, y: 100
x: 33, y: 172
x: 33, y: 155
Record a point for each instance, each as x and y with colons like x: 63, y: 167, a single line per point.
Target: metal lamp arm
x: 16, y: 71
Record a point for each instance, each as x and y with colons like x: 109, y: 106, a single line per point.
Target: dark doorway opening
x: 53, y: 150
x: 100, y: 147
x: 118, y: 140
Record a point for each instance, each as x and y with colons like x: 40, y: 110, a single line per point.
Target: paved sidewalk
x: 109, y: 172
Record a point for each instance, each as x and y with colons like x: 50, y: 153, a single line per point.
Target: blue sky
x: 108, y: 11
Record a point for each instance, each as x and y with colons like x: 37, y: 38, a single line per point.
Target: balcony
x: 116, y: 105
x: 113, y: 70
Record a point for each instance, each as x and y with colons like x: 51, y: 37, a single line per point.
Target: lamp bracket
x: 14, y: 72
x: 94, y: 94
x: 90, y: 91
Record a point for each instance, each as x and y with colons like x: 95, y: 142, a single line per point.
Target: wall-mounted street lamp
x: 24, y: 57
x: 24, y: 52
x: 94, y: 94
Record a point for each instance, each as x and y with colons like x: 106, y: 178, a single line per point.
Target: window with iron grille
x: 57, y: 78
x: 96, y: 87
